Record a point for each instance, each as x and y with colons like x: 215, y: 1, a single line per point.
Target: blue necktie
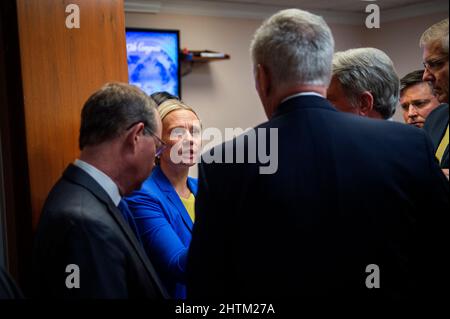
x: 126, y: 213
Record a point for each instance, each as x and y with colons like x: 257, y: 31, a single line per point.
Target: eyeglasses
x: 160, y: 145
x: 434, y: 64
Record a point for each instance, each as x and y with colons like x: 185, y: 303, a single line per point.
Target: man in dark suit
x: 342, y: 209
x: 437, y: 127
x: 434, y: 42
x: 8, y: 288
x: 84, y: 245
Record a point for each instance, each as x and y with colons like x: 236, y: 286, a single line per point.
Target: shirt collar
x: 301, y: 94
x: 102, y: 179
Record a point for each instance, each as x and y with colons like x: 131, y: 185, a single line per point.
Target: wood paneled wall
x: 61, y: 67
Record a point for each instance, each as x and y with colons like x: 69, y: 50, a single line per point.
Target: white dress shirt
x: 102, y: 179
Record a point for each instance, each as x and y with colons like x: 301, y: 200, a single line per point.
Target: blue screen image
x: 153, y: 63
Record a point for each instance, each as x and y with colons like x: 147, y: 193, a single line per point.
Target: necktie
x: 442, y: 146
x: 126, y: 213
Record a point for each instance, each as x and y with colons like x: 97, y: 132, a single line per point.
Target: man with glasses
x: 434, y: 42
x: 85, y: 246
x: 160, y: 145
x: 417, y: 98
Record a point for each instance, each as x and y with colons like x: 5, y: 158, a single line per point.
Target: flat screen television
x: 153, y: 58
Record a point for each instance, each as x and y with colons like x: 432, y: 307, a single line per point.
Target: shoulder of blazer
x: 437, y: 120
x: 161, y: 180
x: 164, y: 185
x: 169, y: 195
x: 440, y: 112
x: 76, y: 175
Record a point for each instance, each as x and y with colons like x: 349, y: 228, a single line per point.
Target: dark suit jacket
x: 8, y: 288
x: 81, y: 225
x: 349, y: 192
x: 435, y: 126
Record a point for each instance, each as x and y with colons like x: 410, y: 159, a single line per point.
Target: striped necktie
x: 442, y: 146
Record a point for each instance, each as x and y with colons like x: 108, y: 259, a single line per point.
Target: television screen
x: 153, y: 60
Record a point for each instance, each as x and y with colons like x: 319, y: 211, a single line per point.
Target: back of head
x: 167, y: 103
x: 368, y: 69
x: 296, y: 47
x: 160, y: 97
x: 436, y: 34
x: 111, y: 110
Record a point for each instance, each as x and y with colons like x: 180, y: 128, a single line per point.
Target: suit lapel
x: 80, y: 177
x: 168, y: 190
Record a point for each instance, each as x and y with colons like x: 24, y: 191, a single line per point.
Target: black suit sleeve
x: 93, y: 247
x: 433, y: 228
x: 8, y: 288
x: 206, y: 269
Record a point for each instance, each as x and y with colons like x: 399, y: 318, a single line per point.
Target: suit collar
x: 169, y: 191
x: 165, y: 185
x: 78, y: 176
x: 303, y: 102
x: 161, y: 179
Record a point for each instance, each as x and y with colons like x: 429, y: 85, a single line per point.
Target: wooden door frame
x: 17, y: 204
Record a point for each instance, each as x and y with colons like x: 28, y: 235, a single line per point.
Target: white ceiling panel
x: 337, y: 11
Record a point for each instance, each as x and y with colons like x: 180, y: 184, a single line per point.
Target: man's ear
x: 365, y: 103
x: 134, y: 134
x: 263, y: 83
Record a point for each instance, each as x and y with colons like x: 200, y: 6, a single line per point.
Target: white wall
x: 223, y: 93
x: 400, y: 40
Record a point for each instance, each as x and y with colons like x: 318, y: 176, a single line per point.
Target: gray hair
x: 111, y: 110
x: 368, y: 69
x: 436, y: 33
x: 296, y: 46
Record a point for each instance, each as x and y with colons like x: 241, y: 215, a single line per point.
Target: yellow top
x: 189, y: 204
x: 442, y: 146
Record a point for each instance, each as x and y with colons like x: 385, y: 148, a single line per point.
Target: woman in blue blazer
x: 163, y: 209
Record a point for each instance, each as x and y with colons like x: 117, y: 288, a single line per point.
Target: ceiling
x: 343, y: 11
x: 329, y: 5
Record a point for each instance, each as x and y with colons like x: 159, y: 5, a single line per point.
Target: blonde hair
x: 171, y: 105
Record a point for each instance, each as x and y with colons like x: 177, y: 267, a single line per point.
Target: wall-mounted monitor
x: 154, y: 60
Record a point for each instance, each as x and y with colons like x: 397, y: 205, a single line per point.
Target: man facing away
x: 84, y: 245
x: 364, y: 82
x: 344, y: 214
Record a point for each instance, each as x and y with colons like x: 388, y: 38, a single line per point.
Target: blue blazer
x: 165, y: 228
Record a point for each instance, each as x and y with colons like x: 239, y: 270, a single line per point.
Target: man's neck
x: 100, y: 157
